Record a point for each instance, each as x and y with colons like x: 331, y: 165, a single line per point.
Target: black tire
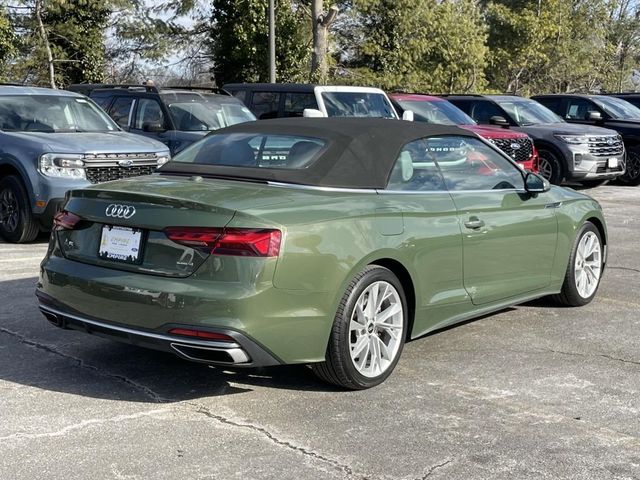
x: 555, y: 173
x: 569, y: 296
x: 632, y: 175
x: 17, y: 224
x: 339, y: 368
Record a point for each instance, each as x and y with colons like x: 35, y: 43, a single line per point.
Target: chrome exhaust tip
x: 228, y: 356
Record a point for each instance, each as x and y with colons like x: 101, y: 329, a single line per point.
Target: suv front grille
x: 520, y: 149
x: 104, y: 167
x: 606, y: 146
x: 106, y: 174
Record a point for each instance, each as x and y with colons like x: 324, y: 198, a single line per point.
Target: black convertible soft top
x: 360, y: 152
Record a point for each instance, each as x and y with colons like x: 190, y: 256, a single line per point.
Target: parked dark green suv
x: 177, y: 116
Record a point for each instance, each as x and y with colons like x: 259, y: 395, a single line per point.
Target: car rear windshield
x: 618, y: 108
x: 52, y: 113
x: 529, y: 112
x: 268, y: 151
x: 357, y: 104
x: 438, y: 112
x: 202, y: 112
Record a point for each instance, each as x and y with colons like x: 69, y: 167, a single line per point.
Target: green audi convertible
x: 328, y: 242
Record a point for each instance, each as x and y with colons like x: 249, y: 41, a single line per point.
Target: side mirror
x: 153, y: 127
x: 534, y: 183
x: 499, y: 121
x: 595, y: 116
x: 312, y: 113
x: 407, y: 115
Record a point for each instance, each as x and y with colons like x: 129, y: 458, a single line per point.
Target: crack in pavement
x: 82, y: 364
x: 84, y: 423
x: 282, y: 443
x: 629, y: 269
x: 578, y: 354
x: 433, y: 469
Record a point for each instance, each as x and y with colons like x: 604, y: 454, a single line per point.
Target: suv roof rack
x: 88, y: 87
x: 218, y: 90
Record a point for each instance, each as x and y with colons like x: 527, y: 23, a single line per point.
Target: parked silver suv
x: 52, y: 141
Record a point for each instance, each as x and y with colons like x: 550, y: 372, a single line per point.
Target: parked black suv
x: 605, y: 111
x: 177, y: 116
x: 583, y: 153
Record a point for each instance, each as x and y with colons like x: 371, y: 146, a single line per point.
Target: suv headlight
x: 573, y: 139
x: 62, y: 165
x: 162, y: 158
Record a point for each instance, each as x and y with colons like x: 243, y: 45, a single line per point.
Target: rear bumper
x: 242, y: 352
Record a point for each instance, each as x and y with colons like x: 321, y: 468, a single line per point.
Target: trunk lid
x: 141, y: 208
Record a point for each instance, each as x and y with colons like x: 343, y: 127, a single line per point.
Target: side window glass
x: 149, y: 116
x: 579, y: 109
x: 102, y: 102
x: 265, y: 104
x: 483, y: 111
x: 416, y: 170
x: 240, y: 95
x: 469, y: 164
x: 120, y: 111
x: 295, y: 103
x: 552, y: 104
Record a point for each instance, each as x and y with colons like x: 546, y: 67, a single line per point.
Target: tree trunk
x: 45, y: 41
x: 320, y: 26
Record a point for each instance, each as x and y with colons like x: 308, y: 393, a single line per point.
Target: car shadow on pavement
x: 37, y: 354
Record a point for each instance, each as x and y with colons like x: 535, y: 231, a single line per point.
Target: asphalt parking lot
x: 534, y: 391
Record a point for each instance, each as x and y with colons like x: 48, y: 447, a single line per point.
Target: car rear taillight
x: 187, y: 332
x: 245, y: 242
x: 65, y: 220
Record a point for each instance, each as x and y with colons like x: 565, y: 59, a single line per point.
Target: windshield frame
x: 607, y: 104
x: 537, y: 108
x: 447, y: 110
x: 13, y: 108
x: 327, y: 97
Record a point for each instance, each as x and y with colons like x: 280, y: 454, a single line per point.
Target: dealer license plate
x: 612, y: 163
x: 121, y: 244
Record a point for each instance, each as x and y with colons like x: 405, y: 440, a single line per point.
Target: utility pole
x: 272, y: 42
x: 320, y: 22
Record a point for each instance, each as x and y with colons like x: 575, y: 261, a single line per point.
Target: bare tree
x: 320, y: 22
x: 45, y: 41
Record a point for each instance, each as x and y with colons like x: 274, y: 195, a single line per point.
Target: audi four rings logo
x: 120, y: 211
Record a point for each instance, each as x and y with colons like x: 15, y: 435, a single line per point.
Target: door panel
x: 512, y: 251
x: 508, y: 235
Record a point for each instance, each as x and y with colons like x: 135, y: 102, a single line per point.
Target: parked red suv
x: 430, y: 109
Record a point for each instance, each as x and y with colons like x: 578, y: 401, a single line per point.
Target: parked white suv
x: 275, y: 100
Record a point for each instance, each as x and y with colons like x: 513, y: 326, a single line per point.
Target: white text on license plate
x: 120, y: 243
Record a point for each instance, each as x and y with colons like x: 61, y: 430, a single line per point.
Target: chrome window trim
x: 321, y: 189
x: 418, y: 192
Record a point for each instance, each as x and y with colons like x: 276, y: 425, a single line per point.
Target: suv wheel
x: 550, y: 167
x: 632, y: 175
x: 17, y: 224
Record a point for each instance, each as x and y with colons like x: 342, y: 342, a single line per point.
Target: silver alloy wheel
x: 588, y: 265
x: 9, y: 210
x: 376, y: 329
x: 544, y: 168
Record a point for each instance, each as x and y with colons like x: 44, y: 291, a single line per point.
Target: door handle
x: 474, y: 223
